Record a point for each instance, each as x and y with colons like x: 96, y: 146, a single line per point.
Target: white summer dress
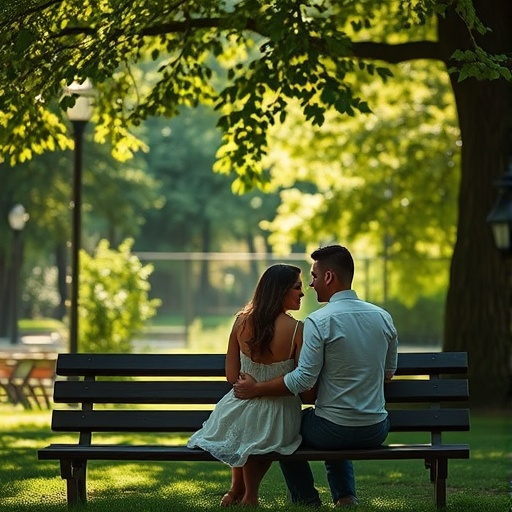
x: 239, y: 428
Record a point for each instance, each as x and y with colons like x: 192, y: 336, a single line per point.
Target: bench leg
x: 10, y: 390
x: 20, y: 397
x: 440, y: 483
x: 74, y: 472
x: 33, y: 394
x: 438, y: 475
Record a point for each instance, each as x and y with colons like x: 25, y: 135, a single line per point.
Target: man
x: 349, y: 350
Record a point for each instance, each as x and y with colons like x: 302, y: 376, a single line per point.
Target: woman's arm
x: 232, y: 366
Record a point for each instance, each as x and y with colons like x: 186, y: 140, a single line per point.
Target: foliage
x: 39, y: 294
x: 39, y: 325
x: 43, y: 185
x: 475, y: 485
x: 197, y: 213
x: 275, y: 51
x: 419, y: 325
x: 128, y: 192
x: 387, y: 181
x: 114, y: 303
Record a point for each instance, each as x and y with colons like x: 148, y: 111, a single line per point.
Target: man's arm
x: 303, y: 378
x: 247, y: 387
x: 392, y: 353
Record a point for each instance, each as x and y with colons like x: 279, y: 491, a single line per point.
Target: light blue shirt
x: 348, y: 346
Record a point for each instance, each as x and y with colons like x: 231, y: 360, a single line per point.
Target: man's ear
x: 328, y: 276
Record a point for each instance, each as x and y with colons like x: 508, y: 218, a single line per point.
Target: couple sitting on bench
x: 348, y: 349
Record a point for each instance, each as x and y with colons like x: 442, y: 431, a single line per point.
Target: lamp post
x: 79, y: 115
x: 17, y: 218
x: 500, y: 217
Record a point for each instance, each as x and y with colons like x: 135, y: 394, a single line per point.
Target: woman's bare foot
x: 230, y: 498
x: 249, y: 503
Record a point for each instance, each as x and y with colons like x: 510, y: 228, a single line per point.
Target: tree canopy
x: 151, y: 57
x: 276, y: 51
x: 388, y: 178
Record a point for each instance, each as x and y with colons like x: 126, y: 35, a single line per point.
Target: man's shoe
x: 346, y: 501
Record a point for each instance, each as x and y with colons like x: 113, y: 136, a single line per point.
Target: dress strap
x: 293, y: 337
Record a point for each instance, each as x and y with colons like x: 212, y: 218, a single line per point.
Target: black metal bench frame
x: 424, y: 396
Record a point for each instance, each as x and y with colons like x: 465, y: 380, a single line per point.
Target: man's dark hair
x: 337, y: 259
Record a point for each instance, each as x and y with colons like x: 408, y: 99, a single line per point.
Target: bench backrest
x: 175, y: 393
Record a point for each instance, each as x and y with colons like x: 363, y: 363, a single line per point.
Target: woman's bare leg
x: 254, y: 471
x: 237, y: 491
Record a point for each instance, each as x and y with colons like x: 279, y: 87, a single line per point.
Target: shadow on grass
x: 26, y: 484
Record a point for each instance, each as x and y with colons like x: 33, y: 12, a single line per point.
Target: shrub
x: 114, y: 302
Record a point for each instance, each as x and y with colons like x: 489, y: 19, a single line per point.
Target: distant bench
x: 415, y: 404
x: 27, y: 378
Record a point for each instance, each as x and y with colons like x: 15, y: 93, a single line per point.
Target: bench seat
x: 182, y: 453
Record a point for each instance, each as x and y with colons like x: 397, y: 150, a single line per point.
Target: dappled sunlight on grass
x: 11, y: 418
x: 388, y: 504
x: 479, y: 454
x: 126, y: 475
x: 28, y: 485
x: 394, y: 475
x: 15, y: 443
x: 34, y: 491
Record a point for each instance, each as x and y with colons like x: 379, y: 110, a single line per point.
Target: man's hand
x: 388, y: 376
x: 245, y: 387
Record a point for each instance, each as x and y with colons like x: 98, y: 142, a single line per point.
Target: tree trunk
x: 204, y: 292
x: 5, y: 284
x: 477, y: 316
x: 254, y: 271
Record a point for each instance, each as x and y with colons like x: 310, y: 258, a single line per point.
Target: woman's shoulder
x: 240, y: 321
x: 286, y: 327
x: 288, y: 321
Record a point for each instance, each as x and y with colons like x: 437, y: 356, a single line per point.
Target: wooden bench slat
x: 213, y: 364
x: 128, y: 420
x: 146, y: 392
x: 439, y: 390
x: 432, y: 363
x: 423, y: 420
x: 179, y: 392
x: 133, y: 365
x: 414, y: 420
x: 181, y: 453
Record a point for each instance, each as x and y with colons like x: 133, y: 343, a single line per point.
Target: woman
x: 265, y: 342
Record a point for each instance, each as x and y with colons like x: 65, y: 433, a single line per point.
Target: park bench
x: 425, y: 396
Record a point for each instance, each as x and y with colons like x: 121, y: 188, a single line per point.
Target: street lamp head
x: 82, y: 109
x: 500, y: 217
x: 17, y: 217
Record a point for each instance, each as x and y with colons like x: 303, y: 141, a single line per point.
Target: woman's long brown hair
x: 267, y: 304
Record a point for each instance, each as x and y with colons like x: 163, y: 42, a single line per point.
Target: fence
x: 192, y: 285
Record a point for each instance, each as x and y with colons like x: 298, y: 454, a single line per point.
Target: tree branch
x: 395, y: 53
x: 10, y: 13
x: 171, y: 27
x: 181, y: 26
x: 195, y: 23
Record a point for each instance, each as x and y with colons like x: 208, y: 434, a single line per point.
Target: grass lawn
x: 28, y: 485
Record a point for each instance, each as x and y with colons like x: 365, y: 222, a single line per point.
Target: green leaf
x: 24, y: 38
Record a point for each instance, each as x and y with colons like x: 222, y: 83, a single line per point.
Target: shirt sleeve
x: 392, y: 354
x: 311, y: 360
